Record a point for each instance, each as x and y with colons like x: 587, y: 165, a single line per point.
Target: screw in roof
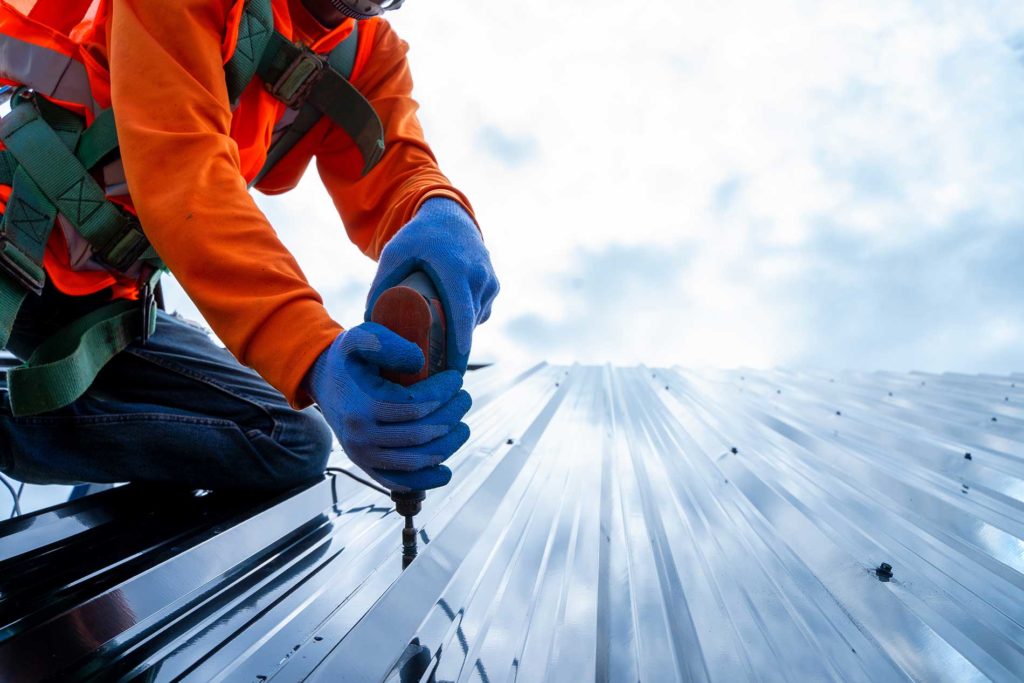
x: 884, y: 571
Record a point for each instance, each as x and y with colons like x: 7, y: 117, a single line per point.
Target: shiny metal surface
x: 603, y: 524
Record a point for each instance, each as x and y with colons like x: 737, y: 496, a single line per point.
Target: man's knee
x: 307, y: 443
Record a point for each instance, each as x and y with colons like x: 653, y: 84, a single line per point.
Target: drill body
x: 412, y: 309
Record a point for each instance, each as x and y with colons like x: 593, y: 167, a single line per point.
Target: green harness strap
x: 343, y: 60
x: 301, y: 78
x: 305, y: 81
x: 67, y: 184
x: 24, y: 231
x: 253, y: 34
x: 65, y: 365
x: 46, y: 178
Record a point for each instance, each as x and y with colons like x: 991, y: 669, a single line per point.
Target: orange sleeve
x: 173, y: 121
x: 373, y: 208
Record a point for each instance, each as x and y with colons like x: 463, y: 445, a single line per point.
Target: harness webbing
x: 326, y: 91
x: 253, y: 34
x: 342, y: 59
x: 63, y: 367
x: 98, y: 141
x: 306, y: 82
x: 46, y: 178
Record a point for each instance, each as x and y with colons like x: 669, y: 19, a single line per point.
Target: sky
x: 800, y: 183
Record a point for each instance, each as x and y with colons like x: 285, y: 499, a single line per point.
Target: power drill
x: 412, y: 309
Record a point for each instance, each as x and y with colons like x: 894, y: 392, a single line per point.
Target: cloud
x: 511, y: 150
x: 732, y: 183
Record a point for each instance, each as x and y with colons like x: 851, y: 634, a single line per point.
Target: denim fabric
x: 179, y: 409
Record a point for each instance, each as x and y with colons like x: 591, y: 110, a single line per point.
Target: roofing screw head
x: 510, y: 441
x: 839, y: 412
x: 994, y: 419
x: 890, y: 393
x: 967, y: 456
x: 734, y: 450
x: 666, y: 387
x: 778, y: 391
x: 884, y: 571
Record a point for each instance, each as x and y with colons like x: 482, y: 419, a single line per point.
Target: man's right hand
x: 398, y: 435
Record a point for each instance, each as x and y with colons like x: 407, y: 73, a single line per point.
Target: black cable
x: 16, y: 510
x: 364, y: 482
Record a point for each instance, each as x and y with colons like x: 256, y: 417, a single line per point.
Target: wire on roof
x: 15, y: 495
x: 364, y: 482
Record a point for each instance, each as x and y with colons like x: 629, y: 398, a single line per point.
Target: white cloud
x: 816, y: 169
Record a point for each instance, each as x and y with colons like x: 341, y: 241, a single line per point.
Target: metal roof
x: 609, y: 524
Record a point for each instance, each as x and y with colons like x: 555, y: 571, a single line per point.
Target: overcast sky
x: 793, y: 183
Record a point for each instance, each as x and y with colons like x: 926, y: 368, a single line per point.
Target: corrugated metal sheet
x: 609, y: 524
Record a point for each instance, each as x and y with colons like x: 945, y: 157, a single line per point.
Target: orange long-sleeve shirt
x: 188, y: 157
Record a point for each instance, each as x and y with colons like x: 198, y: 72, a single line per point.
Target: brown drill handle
x: 412, y: 309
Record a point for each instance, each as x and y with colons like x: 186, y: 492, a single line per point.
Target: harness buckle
x: 125, y: 247
x: 21, y: 267
x: 148, y: 300
x: 294, y: 84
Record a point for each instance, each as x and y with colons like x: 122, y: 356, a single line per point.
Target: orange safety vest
x: 45, y: 46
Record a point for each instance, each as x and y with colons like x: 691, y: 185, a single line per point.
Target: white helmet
x: 364, y: 9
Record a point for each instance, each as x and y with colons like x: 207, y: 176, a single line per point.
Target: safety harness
x: 50, y: 161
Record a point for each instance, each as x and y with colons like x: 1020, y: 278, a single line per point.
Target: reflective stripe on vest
x: 46, y: 71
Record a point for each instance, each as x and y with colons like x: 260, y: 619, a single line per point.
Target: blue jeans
x: 179, y: 409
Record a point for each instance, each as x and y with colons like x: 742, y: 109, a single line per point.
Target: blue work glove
x: 442, y: 241
x: 398, y: 435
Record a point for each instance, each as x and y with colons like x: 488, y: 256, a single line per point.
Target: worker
x: 135, y: 128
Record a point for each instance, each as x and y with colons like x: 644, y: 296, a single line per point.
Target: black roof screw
x: 778, y: 391
x: 890, y: 393
x: 839, y: 412
x: 510, y: 441
x: 666, y: 387
x: 884, y: 571
x: 967, y: 456
x: 734, y: 450
x: 994, y: 419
